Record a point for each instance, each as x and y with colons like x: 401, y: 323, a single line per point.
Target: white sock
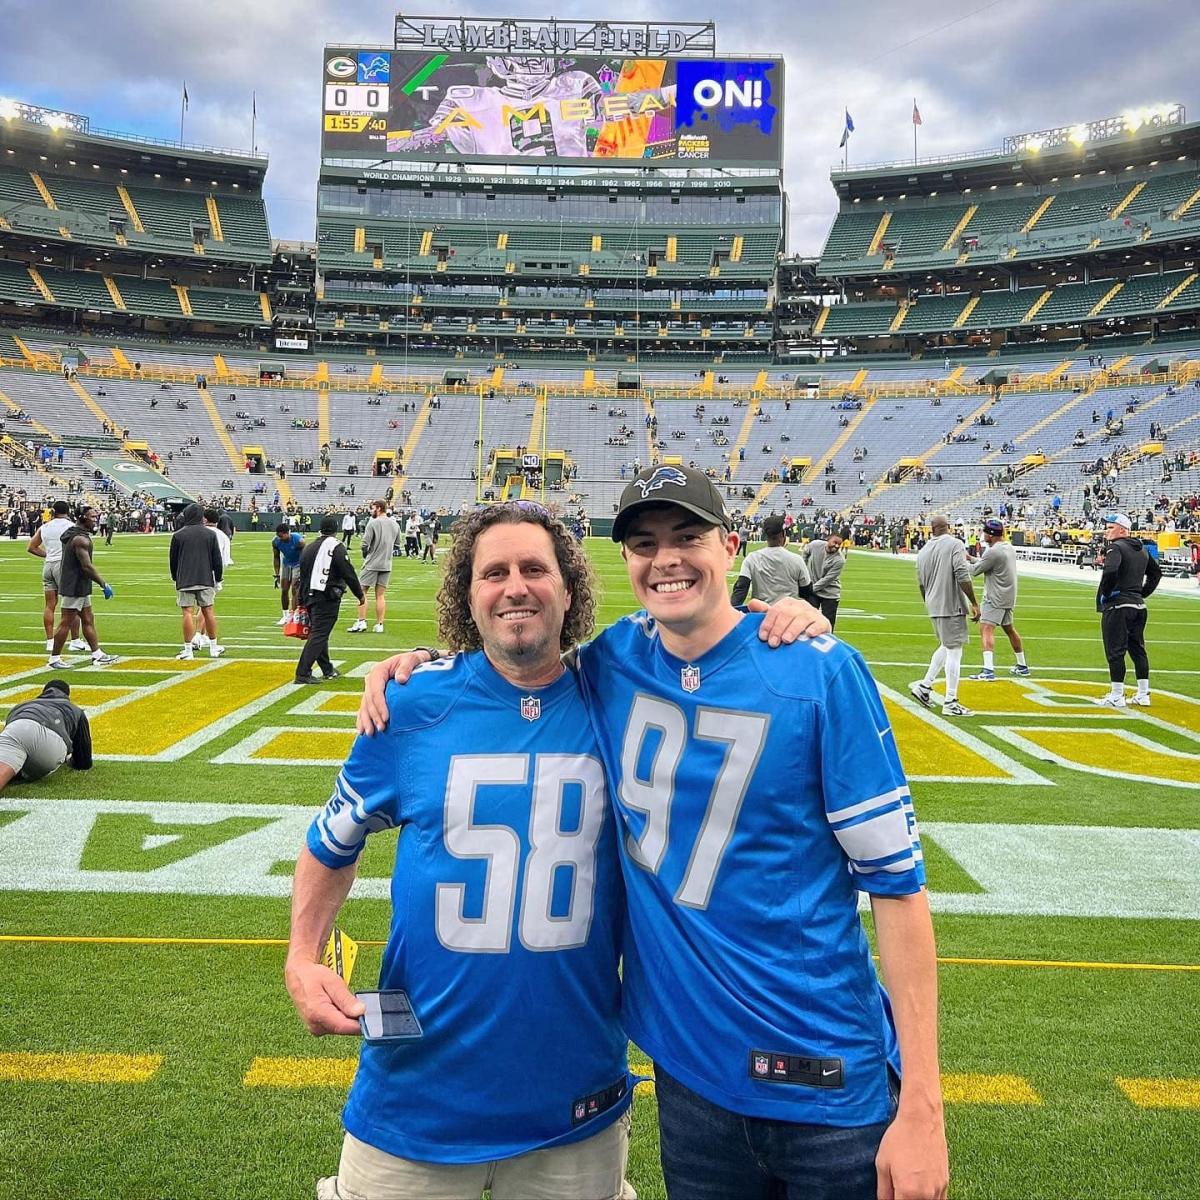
x: 935, y: 666
x: 1116, y: 689
x: 989, y: 660
x: 97, y: 652
x: 1021, y: 658
x: 1143, y: 687
x: 953, y: 670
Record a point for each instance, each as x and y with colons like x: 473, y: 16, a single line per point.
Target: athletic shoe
x: 283, y: 620
x: 1020, y: 670
x: 59, y: 664
x: 334, y: 674
x: 984, y: 676
x: 215, y: 651
x: 186, y: 654
x: 77, y: 644
x: 1110, y: 701
x: 1140, y: 701
x: 952, y: 708
x: 200, y: 640
x: 358, y: 627
x: 921, y: 693
x: 103, y: 660
x: 306, y: 679
x: 378, y: 627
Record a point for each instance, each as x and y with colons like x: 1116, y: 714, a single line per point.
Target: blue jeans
x: 709, y: 1153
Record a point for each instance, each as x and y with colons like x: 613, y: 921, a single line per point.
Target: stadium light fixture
x: 157, y: 175
x: 933, y: 193
x: 1076, y: 176
x: 8, y: 108
x: 1020, y: 183
x: 1154, y: 162
x: 71, y: 162
x: 1078, y: 134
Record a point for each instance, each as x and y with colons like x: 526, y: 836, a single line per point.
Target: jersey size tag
x: 796, y: 1068
x: 341, y: 952
x: 591, y: 1106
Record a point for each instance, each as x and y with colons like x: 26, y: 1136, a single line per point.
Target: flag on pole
x: 916, y: 114
x: 847, y: 131
x: 185, y: 96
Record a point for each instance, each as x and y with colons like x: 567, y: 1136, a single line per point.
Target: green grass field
x: 1061, y: 843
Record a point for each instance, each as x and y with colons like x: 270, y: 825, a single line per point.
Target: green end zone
x: 1054, y: 833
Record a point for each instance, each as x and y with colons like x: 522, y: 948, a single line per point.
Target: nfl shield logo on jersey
x: 531, y: 707
x: 689, y: 679
x: 580, y: 1110
x: 761, y: 1066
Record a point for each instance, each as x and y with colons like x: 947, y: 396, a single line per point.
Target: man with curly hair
x: 506, y: 898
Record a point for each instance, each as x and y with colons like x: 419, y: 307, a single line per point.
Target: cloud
x: 1014, y: 65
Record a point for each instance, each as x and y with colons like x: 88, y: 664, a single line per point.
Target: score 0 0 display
x: 415, y: 104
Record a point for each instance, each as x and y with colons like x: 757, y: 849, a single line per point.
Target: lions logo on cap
x: 661, y: 477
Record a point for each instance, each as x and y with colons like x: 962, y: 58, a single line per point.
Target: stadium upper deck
x: 1085, y: 236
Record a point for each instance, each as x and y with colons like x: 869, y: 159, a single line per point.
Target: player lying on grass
x: 757, y: 793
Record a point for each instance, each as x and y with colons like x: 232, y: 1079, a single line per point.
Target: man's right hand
x: 372, y: 709
x: 324, y: 1002
x: 108, y: 592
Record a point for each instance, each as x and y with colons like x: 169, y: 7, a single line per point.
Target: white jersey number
x: 744, y: 735
x: 499, y: 846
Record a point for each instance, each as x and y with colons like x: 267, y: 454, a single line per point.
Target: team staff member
x: 43, y: 733
x: 499, y: 1092
x: 286, y: 548
x: 45, y: 544
x: 773, y: 571
x: 196, y: 571
x: 325, y: 576
x: 1129, y: 575
x: 826, y: 560
x: 78, y: 574
x: 998, y: 566
x: 378, y: 546
x: 945, y: 582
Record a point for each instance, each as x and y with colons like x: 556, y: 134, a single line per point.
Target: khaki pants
x: 593, y: 1169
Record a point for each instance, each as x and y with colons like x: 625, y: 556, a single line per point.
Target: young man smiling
x: 757, y: 793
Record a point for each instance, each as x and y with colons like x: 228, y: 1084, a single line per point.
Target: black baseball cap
x: 688, y: 488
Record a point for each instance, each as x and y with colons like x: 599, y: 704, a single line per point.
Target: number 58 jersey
x: 507, y: 906
x: 757, y: 791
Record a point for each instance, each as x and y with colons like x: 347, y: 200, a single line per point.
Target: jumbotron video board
x: 434, y: 105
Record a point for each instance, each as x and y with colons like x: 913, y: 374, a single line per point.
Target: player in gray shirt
x: 825, y: 560
x: 945, y: 582
x: 378, y: 544
x: 774, y: 571
x: 998, y: 566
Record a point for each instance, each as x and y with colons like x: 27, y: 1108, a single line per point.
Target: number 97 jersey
x: 757, y: 792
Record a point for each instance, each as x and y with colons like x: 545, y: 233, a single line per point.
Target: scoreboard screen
x: 434, y: 105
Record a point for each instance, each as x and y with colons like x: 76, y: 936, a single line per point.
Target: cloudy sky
x: 978, y: 69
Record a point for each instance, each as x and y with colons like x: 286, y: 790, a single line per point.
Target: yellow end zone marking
x: 988, y: 1089
x: 339, y: 702
x: 85, y: 697
x: 138, y: 727
x: 18, y: 664
x: 1161, y: 1093
x: 291, y: 745
x: 1098, y: 749
x: 926, y: 749
x: 301, y: 1072
x: 79, y: 1068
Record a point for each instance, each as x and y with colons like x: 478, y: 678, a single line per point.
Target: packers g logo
x: 661, y: 477
x: 341, y: 67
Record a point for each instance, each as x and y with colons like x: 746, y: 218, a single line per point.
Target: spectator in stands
x: 41, y: 734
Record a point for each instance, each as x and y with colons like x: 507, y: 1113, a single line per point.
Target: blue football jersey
x: 289, y: 548
x: 757, y: 791
x: 507, y: 907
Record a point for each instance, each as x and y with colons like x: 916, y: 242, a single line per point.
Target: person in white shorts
x: 46, y: 544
